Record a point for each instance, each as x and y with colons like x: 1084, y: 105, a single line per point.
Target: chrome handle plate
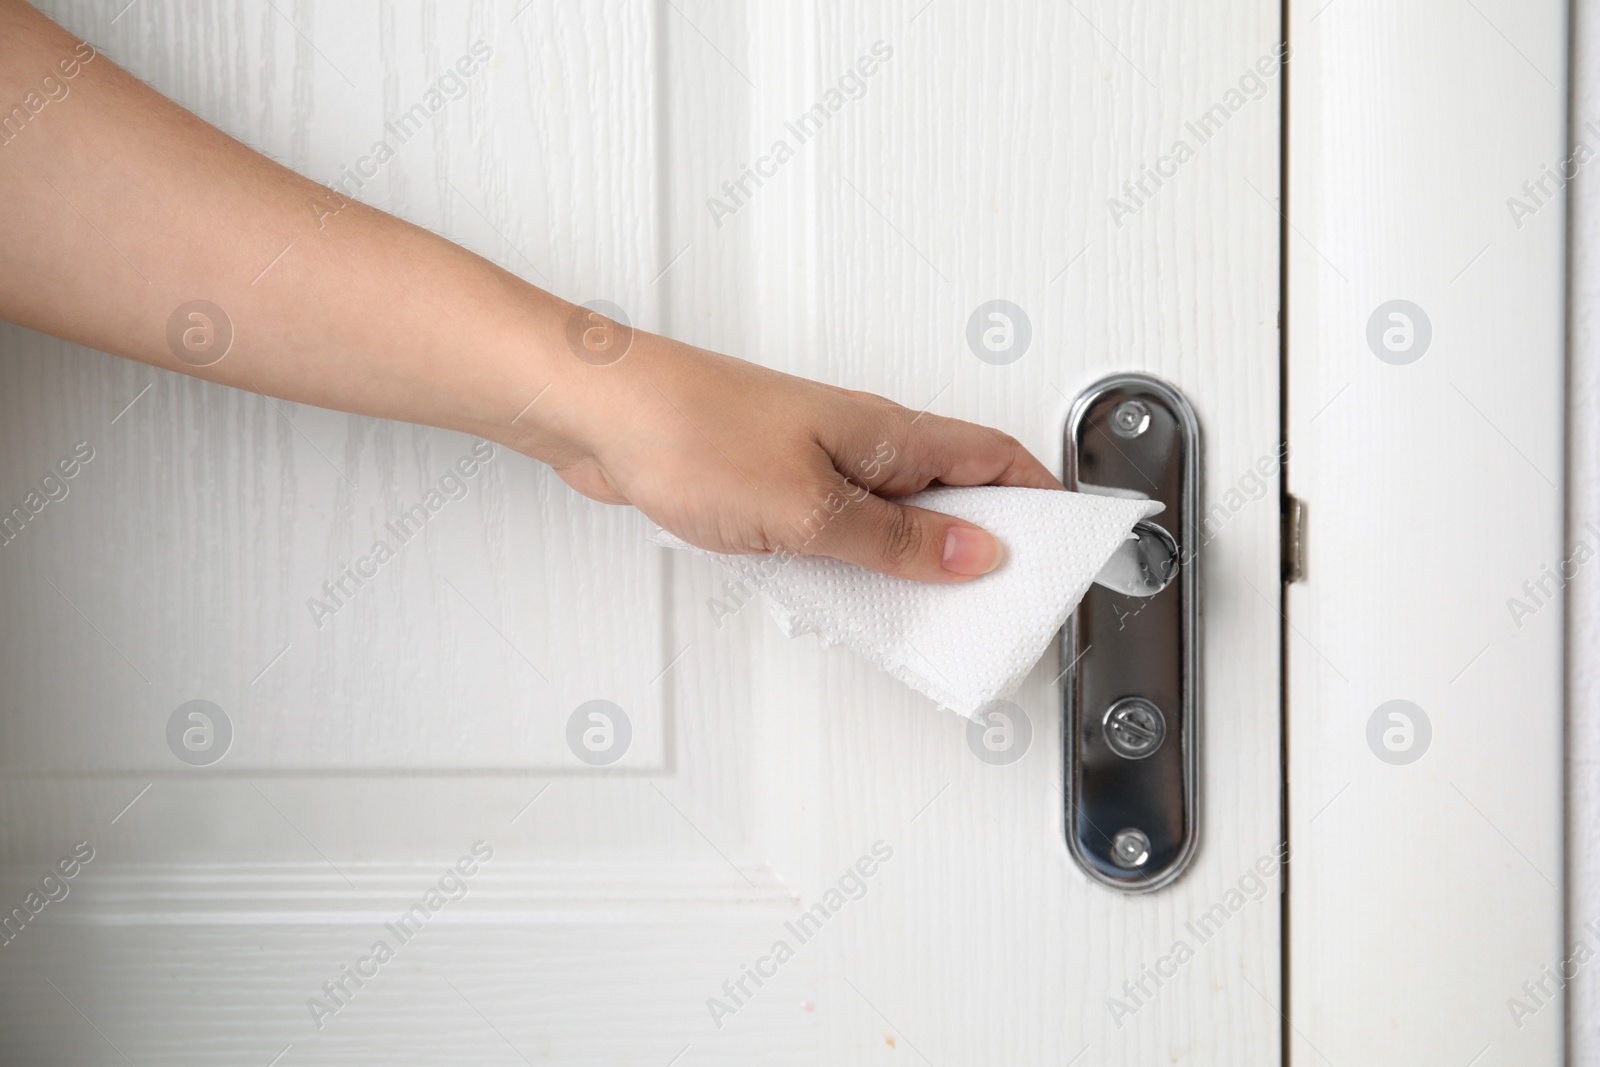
x: 1131, y: 694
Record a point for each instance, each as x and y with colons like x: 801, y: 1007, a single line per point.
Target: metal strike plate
x: 1131, y: 692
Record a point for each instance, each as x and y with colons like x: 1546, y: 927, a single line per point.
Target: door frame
x: 1431, y: 471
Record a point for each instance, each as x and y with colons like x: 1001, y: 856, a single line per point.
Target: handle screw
x: 1130, y: 418
x: 1130, y: 848
x: 1134, y: 728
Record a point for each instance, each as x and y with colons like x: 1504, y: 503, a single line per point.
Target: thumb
x: 906, y: 542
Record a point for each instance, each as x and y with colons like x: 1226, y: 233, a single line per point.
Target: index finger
x: 963, y: 453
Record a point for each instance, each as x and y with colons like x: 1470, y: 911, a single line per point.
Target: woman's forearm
x: 121, y: 209
x: 131, y: 226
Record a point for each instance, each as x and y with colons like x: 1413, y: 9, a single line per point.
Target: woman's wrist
x: 577, y: 380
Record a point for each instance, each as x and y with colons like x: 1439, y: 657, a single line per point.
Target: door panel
x: 1017, y: 152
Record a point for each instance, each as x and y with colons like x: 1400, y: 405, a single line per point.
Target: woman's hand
x: 737, y: 458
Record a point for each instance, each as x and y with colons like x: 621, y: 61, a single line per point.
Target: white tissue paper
x: 968, y: 644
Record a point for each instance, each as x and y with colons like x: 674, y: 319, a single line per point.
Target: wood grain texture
x: 1423, y: 895
x: 976, y: 163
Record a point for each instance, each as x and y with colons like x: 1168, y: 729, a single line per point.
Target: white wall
x: 1583, y: 594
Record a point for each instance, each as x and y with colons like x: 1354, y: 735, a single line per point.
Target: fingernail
x: 970, y: 552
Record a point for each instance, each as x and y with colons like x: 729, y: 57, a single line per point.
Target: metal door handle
x: 1131, y: 697
x: 1144, y: 564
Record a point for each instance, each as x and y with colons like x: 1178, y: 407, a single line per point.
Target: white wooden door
x: 1112, y: 170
